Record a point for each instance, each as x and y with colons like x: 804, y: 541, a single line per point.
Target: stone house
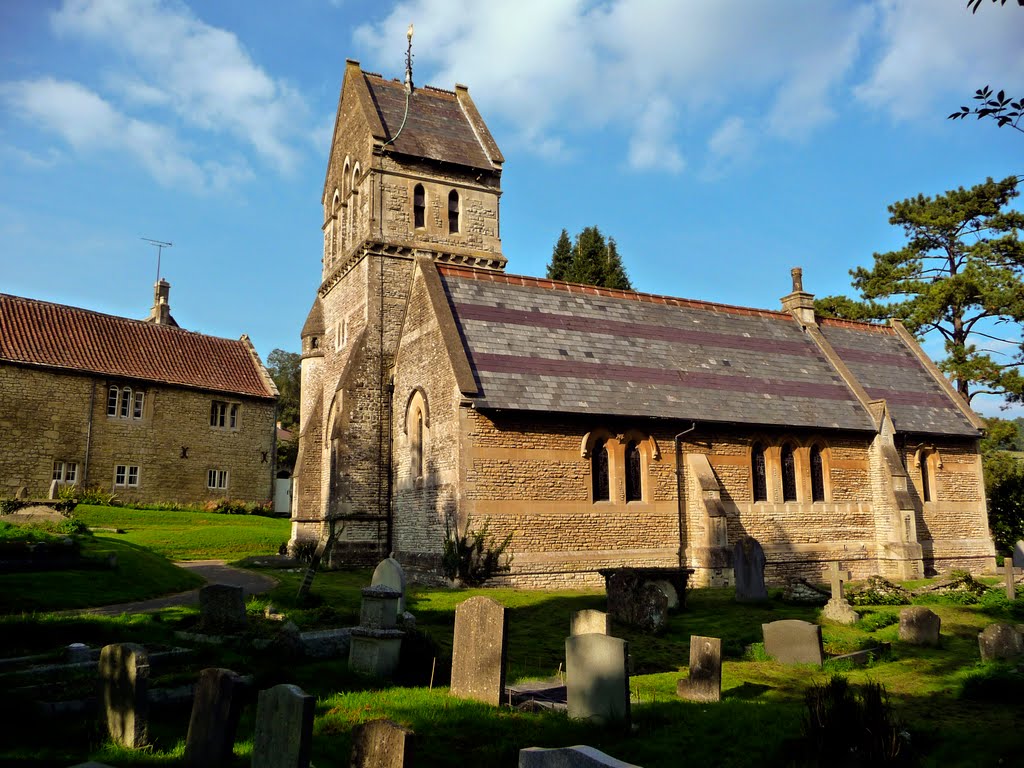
x: 141, y: 409
x: 600, y: 428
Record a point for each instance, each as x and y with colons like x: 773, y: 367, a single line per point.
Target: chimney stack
x: 800, y: 303
x: 161, y: 311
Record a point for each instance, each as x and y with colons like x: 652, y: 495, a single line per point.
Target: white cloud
x: 934, y: 55
x: 551, y: 70
x: 202, y: 73
x: 89, y: 124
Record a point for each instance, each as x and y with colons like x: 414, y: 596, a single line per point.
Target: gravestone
x: 382, y: 744
x: 1018, y: 554
x: 284, y: 728
x: 792, y: 641
x: 124, y: 685
x: 1011, y: 586
x: 597, y: 678
x: 479, y: 651
x: 215, y: 709
x: 705, y: 680
x: 837, y: 609
x: 389, y: 573
x: 589, y: 622
x: 748, y: 567
x: 375, y: 645
x: 919, y: 626
x: 222, y: 608
x: 568, y: 757
x: 1000, y: 641
x: 379, y: 608
x: 77, y: 653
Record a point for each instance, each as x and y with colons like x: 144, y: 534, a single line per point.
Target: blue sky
x: 721, y: 143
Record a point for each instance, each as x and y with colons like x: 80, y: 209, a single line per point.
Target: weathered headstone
x: 748, y: 566
x: 389, y: 573
x: 379, y: 609
x: 284, y: 728
x: 919, y: 626
x: 1018, y: 554
x: 597, y: 678
x: 580, y: 756
x: 124, y: 685
x: 480, y: 649
x: 1000, y: 641
x: 705, y: 680
x: 1011, y: 586
x: 590, y: 621
x: 374, y: 652
x: 837, y: 609
x: 382, y: 744
x: 792, y: 641
x: 215, y: 709
x: 222, y: 608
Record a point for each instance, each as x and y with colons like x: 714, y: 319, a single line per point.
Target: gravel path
x: 214, y: 571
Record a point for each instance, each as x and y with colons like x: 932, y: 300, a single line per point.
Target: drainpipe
x: 681, y: 492
x: 88, y: 435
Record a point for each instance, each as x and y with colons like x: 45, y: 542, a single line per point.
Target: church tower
x: 412, y: 172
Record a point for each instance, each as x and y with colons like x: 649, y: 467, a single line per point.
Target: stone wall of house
x: 46, y: 418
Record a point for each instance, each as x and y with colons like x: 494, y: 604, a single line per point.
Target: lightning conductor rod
x: 159, y: 245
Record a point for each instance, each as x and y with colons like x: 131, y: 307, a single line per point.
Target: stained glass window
x: 599, y: 459
x: 817, y: 475
x: 757, y: 468
x: 634, y: 492
x: 788, y: 474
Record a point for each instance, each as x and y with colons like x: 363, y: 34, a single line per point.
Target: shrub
x: 878, y: 591
x: 473, y: 557
x: 844, y: 726
x: 873, y: 621
x: 96, y: 497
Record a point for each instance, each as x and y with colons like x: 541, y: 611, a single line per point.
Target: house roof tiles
x: 39, y: 333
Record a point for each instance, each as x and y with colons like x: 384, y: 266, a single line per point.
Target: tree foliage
x: 1000, y: 107
x: 286, y: 371
x: 960, y: 275
x: 1003, y: 463
x: 975, y: 4
x: 590, y: 259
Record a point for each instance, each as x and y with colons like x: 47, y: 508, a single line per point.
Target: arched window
x: 926, y: 480
x: 126, y: 402
x: 419, y: 207
x: 416, y: 444
x: 758, y: 473
x: 634, y: 490
x: 788, y: 473
x: 817, y: 474
x: 599, y: 470
x: 417, y: 430
x: 453, y: 211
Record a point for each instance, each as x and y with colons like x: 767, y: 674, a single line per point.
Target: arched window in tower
x: 599, y: 470
x: 788, y: 473
x: 634, y: 490
x: 817, y: 474
x: 453, y: 211
x: 758, y: 475
x: 419, y: 207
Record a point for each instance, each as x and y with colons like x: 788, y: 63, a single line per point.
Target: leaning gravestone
x: 597, y: 678
x: 480, y: 649
x: 382, y: 744
x: 124, y: 686
x: 919, y: 626
x: 215, y: 709
x: 588, y: 622
x: 1018, y: 555
x: 1000, y: 641
x: 705, y: 680
x: 748, y: 566
x: 792, y: 641
x: 222, y: 608
x: 568, y: 757
x: 284, y: 728
x: 389, y: 573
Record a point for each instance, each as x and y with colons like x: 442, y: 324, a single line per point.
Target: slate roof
x: 889, y: 370
x: 538, y: 344
x: 39, y: 333
x: 438, y: 128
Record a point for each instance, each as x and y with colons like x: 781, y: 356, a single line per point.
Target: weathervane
x: 159, y: 245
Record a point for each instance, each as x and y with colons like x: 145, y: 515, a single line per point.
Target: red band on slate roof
x: 857, y: 325
x: 57, y: 336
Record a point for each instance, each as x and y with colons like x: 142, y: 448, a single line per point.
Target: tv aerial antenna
x: 159, y: 245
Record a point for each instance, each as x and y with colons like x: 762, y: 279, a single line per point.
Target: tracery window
x: 788, y: 473
x: 453, y: 211
x: 599, y: 471
x: 758, y: 473
x: 634, y: 491
x: 817, y: 474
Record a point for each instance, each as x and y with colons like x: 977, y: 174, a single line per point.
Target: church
x: 600, y: 428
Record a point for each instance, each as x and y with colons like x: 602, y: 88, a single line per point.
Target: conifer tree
x: 615, y: 274
x: 590, y: 259
x: 561, y: 258
x: 961, y: 275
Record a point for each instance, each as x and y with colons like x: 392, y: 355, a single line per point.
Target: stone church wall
x: 47, y: 415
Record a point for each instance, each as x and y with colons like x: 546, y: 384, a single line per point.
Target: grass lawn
x: 181, y: 535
